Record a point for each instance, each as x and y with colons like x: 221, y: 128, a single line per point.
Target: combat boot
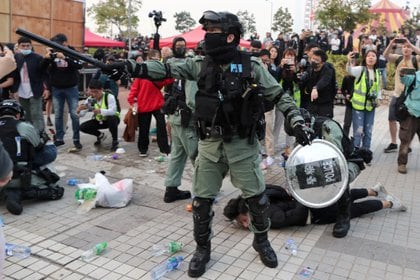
x: 14, y: 201
x: 260, y: 224
x: 173, y: 194
x: 342, y: 226
x: 202, y: 216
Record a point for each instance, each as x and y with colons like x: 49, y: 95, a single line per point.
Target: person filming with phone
x: 410, y: 58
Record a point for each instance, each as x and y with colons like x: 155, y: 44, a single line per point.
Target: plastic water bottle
x: 94, y: 251
x: 168, y: 266
x: 291, y: 246
x: 170, y: 248
x: 18, y: 251
x: 161, y: 158
x: 95, y: 157
x: 85, y: 194
x: 72, y: 182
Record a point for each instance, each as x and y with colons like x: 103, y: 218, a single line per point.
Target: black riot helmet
x: 228, y: 22
x: 10, y: 107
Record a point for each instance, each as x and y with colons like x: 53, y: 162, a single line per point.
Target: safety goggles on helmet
x: 211, y: 19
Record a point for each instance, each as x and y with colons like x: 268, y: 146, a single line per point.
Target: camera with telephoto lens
x: 157, y: 17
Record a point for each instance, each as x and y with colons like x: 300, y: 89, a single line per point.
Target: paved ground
x: 383, y: 245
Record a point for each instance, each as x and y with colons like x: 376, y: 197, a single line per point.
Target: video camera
x: 157, y: 17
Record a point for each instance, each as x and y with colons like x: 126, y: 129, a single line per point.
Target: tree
x: 247, y: 20
x: 343, y: 13
x: 183, y: 21
x: 108, y: 13
x: 283, y: 21
x: 413, y: 23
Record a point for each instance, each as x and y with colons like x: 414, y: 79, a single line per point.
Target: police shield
x: 317, y: 174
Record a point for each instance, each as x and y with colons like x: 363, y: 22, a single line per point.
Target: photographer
x: 64, y: 79
x: 105, y: 114
x: 364, y: 99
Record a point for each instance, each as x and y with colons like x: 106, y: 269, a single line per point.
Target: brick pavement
x: 383, y: 245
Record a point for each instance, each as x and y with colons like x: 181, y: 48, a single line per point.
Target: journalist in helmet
x: 229, y: 113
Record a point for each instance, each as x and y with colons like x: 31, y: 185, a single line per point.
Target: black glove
x: 302, y: 133
x: 114, y: 70
x: 366, y: 155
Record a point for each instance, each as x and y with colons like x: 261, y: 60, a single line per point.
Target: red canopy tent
x: 192, y: 37
x: 94, y: 40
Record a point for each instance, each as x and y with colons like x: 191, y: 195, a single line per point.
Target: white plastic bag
x: 114, y: 195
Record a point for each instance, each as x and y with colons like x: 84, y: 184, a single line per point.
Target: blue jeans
x: 362, y: 128
x: 71, y: 95
x: 44, y: 156
x: 384, y: 81
x: 33, y: 111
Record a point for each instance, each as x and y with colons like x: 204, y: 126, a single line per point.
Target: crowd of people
x: 214, y: 105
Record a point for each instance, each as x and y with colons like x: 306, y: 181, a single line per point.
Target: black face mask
x: 213, y: 41
x: 218, y: 48
x: 315, y: 65
x: 179, y: 52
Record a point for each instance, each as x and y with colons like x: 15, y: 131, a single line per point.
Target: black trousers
x: 93, y: 126
x: 161, y: 133
x: 347, y: 119
x: 329, y: 214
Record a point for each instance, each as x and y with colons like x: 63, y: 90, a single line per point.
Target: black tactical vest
x: 19, y: 149
x: 227, y: 98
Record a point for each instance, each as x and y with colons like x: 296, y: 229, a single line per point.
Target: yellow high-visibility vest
x: 359, y: 101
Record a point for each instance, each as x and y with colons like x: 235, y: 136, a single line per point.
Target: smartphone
x: 407, y: 71
x: 356, y: 55
x: 400, y: 40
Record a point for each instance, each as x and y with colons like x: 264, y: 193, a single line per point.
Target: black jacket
x: 63, y: 74
x: 36, y: 72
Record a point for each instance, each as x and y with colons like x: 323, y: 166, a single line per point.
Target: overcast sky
x: 260, y: 8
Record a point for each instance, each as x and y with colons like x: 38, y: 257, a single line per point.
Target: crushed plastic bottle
x: 96, y: 250
x: 18, y: 251
x: 306, y: 273
x: 168, y: 266
x: 95, y: 157
x: 170, y: 248
x: 72, y: 182
x: 291, y: 246
x: 85, y: 194
x: 161, y: 158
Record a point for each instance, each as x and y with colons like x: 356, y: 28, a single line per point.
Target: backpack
x: 108, y: 91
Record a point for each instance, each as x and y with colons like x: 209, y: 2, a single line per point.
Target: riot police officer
x: 228, y: 109
x: 179, y: 106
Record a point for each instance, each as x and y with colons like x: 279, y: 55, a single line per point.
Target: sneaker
x: 396, y: 203
x: 143, y: 154
x: 100, y: 139
x: 58, y: 143
x: 380, y: 190
x: 402, y: 169
x: 77, y: 147
x: 391, y: 148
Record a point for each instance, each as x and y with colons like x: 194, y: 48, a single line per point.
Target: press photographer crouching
x: 30, y: 153
x: 106, y: 114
